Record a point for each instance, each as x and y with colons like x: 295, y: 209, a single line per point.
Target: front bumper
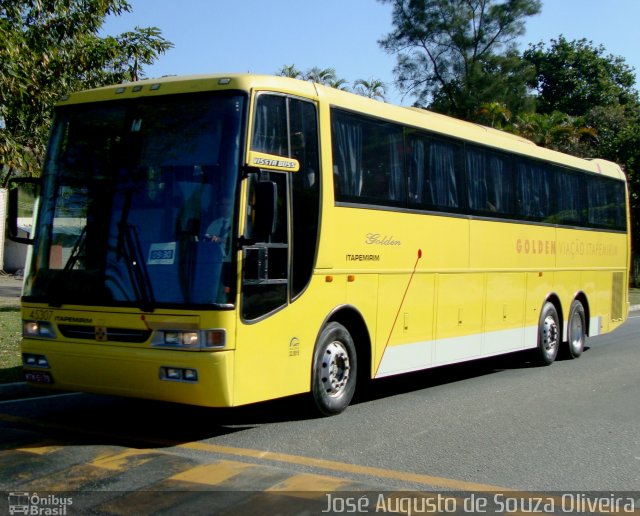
x: 133, y: 372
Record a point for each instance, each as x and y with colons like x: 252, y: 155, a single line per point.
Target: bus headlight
x: 187, y: 339
x: 191, y: 339
x: 38, y: 330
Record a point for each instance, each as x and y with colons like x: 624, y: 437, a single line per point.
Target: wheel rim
x: 550, y: 336
x: 335, y: 369
x: 576, y: 329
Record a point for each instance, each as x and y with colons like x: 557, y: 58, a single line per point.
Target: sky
x: 261, y: 36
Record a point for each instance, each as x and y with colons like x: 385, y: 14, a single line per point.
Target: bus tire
x: 333, y: 378
x: 548, y: 335
x: 576, y: 330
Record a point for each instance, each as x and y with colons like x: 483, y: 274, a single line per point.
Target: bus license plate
x: 38, y: 376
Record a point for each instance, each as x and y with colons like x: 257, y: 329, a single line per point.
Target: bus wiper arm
x: 131, y: 251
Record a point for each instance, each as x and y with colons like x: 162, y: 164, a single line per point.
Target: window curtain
x: 396, y: 168
x: 417, y: 172
x: 569, y: 198
x: 347, y: 159
x: 533, y: 191
x: 442, y: 175
x: 498, y: 185
x: 477, y: 181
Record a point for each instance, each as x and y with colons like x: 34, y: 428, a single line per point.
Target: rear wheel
x: 548, y: 335
x: 333, y: 378
x: 576, y: 330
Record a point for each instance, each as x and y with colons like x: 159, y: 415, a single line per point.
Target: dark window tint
x: 533, y: 191
x: 489, y: 182
x: 270, y: 134
x: 306, y: 192
x: 374, y: 164
x: 570, y: 198
x: 368, y: 160
x: 435, y: 173
x: 606, y: 200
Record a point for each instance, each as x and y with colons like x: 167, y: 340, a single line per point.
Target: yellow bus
x: 224, y: 240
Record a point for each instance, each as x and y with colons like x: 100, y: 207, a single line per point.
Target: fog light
x: 178, y: 374
x: 190, y: 375
x: 173, y: 373
x: 31, y: 360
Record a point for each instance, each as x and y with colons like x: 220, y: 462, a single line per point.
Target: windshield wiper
x: 129, y: 248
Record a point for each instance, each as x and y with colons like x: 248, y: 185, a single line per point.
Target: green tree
x: 52, y: 47
x: 575, y: 76
x: 325, y: 76
x: 493, y: 114
x: 558, y: 131
x: 371, y: 88
x: 456, y: 55
x: 290, y: 71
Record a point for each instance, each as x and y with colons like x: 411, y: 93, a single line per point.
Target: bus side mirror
x: 263, y: 206
x: 23, y: 195
x: 267, y: 204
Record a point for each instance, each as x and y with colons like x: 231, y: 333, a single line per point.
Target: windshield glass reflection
x: 138, y: 205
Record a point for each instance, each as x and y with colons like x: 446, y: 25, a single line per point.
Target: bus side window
x: 368, y: 160
x: 270, y: 126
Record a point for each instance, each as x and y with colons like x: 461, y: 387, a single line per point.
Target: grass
x: 10, y: 332
x: 634, y: 296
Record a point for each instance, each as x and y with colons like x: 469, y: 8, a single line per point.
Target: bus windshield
x: 138, y: 203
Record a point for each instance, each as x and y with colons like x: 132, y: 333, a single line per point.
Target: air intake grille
x: 71, y: 331
x: 617, y: 297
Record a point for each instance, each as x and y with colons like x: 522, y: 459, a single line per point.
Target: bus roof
x: 411, y: 116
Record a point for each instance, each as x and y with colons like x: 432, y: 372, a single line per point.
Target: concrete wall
x: 12, y: 254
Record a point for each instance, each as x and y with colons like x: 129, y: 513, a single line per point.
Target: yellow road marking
x: 40, y: 450
x: 344, y: 467
x: 212, y: 474
x: 305, y: 482
x: 121, y: 461
x: 309, y: 482
x: 74, y: 478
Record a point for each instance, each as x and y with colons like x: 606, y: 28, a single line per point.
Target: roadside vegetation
x: 10, y: 363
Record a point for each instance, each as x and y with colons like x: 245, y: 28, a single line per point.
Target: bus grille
x: 71, y: 331
x: 617, y: 296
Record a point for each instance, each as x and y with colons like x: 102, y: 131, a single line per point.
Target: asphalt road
x: 490, y: 425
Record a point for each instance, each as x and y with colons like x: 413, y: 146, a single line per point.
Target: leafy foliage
x: 372, y: 88
x: 574, y: 76
x: 52, y: 47
x: 455, y: 55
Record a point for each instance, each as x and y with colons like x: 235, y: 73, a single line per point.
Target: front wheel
x: 548, y: 335
x: 333, y: 378
x: 576, y: 330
